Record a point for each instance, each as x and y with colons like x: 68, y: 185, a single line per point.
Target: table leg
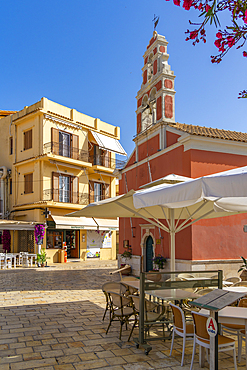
x: 246, y: 344
x: 14, y: 262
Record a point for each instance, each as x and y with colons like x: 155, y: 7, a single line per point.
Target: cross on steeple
x: 156, y: 21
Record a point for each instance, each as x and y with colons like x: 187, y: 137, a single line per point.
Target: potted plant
x: 159, y: 261
x: 126, y: 255
x: 41, y: 258
x: 243, y: 268
x: 39, y: 232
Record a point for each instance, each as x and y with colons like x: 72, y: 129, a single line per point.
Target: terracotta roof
x: 210, y: 132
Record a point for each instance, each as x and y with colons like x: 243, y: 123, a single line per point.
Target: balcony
x: 65, y: 196
x: 97, y: 198
x: 66, y: 151
x: 106, y: 161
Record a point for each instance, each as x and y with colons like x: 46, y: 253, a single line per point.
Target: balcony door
x: 64, y: 144
x: 64, y: 189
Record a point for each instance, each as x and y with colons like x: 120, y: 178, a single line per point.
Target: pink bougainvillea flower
x: 230, y: 41
x: 193, y: 34
x: 217, y: 43
x: 187, y: 4
x: 219, y: 35
x: 200, y: 6
x: 176, y: 2
x: 245, y: 54
x: 208, y: 7
x: 245, y: 16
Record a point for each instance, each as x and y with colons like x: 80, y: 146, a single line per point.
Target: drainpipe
x: 3, y: 174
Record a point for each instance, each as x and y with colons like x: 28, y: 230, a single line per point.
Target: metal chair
x: 120, y: 310
x: 181, y: 327
x: 235, y: 329
x: 240, y: 283
x: 186, y: 276
x: 202, y: 338
x: 112, y: 287
x: 150, y: 316
x: 233, y: 279
x: 130, y: 289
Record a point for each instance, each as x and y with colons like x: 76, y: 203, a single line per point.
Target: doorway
x: 149, y: 253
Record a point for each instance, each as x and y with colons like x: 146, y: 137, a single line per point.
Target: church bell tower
x: 156, y: 98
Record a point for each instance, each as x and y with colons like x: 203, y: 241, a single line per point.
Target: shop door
x: 149, y: 253
x: 71, y: 243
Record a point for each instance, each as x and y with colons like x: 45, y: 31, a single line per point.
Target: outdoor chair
x: 130, y: 289
x: 112, y: 287
x: 121, y: 310
x: 202, y: 338
x: 238, y: 330
x: 186, y: 276
x: 205, y: 291
x: 152, y: 312
x: 175, y: 279
x: 240, y: 283
x: 181, y: 327
x: 233, y: 279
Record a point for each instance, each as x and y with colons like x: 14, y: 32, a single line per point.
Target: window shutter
x: 28, y: 139
x: 28, y: 183
x: 55, y: 141
x: 75, y: 147
x: 91, y: 191
x: 75, y: 189
x: 55, y: 186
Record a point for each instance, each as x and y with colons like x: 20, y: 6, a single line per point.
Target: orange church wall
x: 205, y: 163
x: 171, y: 138
x: 155, y: 67
x: 150, y: 146
x: 220, y: 238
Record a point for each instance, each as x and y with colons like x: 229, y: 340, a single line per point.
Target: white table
x: 233, y: 315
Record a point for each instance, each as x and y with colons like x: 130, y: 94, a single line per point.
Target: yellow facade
x: 31, y: 148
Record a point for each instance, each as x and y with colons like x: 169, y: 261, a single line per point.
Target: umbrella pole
x: 172, y: 239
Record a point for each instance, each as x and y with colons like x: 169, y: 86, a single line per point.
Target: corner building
x: 164, y: 146
x: 54, y: 161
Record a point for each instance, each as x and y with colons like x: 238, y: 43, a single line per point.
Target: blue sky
x: 87, y: 55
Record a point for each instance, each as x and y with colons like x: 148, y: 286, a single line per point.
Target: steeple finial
x: 156, y: 21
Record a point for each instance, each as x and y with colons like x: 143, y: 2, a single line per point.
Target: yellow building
x: 54, y: 161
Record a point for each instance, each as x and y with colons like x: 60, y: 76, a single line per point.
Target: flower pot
x: 153, y: 277
x: 243, y: 275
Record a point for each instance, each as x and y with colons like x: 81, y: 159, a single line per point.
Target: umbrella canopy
x: 218, y: 195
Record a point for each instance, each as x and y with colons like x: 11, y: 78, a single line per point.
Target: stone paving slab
x: 51, y: 318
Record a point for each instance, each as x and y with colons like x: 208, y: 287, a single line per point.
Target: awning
x: 77, y: 223
x: 17, y: 225
x: 108, y: 143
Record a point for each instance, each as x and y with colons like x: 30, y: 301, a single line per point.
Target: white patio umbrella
x: 180, y: 205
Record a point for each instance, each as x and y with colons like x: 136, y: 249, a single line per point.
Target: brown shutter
x: 55, y: 186
x: 75, y: 189
x: 91, y: 191
x: 28, y: 183
x: 28, y: 139
x: 75, y: 147
x: 55, y: 141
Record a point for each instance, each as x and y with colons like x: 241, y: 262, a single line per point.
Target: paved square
x: 51, y: 318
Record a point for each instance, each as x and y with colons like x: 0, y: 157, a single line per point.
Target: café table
x: 233, y: 315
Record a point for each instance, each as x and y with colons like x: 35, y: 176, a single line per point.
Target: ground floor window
x: 96, y: 240
x: 54, y: 239
x: 26, y: 241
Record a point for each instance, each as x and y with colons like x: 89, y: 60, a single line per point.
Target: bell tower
x: 156, y: 98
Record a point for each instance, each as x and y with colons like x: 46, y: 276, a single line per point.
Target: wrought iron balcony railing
x: 66, y: 151
x: 106, y: 161
x: 65, y: 196
x: 96, y: 198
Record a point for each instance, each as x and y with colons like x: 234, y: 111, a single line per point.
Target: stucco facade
x: 55, y: 164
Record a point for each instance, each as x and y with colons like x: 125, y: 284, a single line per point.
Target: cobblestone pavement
x: 51, y: 318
